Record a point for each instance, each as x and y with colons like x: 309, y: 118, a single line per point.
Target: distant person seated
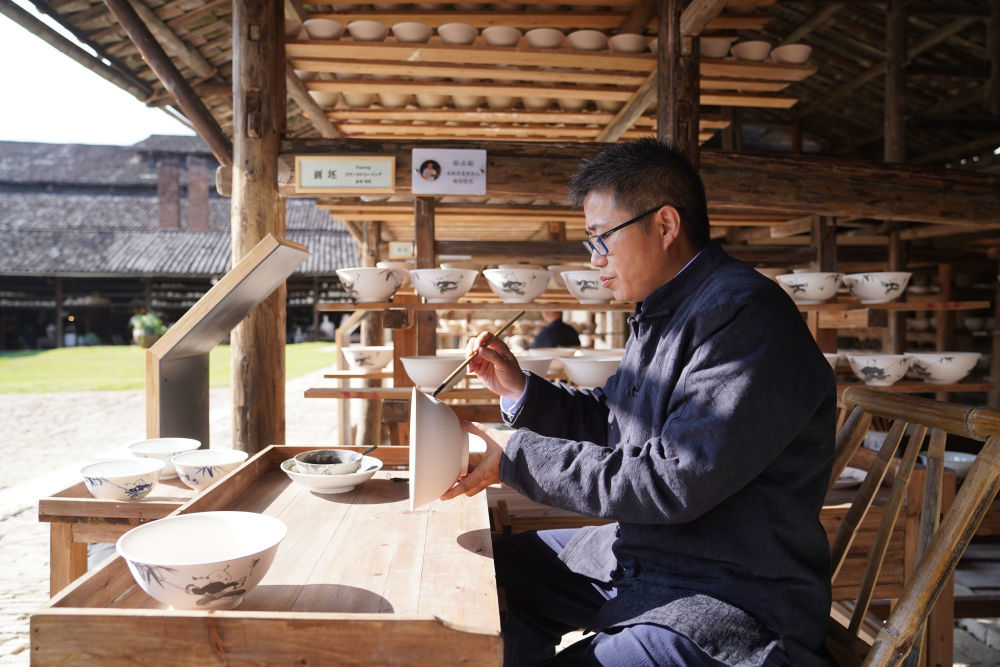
x: 556, y: 333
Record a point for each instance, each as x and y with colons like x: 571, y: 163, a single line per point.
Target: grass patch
x: 123, y: 367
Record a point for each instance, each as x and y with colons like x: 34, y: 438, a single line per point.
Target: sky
x: 53, y: 99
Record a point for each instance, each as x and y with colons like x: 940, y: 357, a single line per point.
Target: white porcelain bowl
x: 121, y: 479
x: 537, y: 364
x: 587, y: 40
x: 323, y: 28
x: 557, y: 354
x: 443, y: 285
x: 501, y: 35
x: 942, y: 367
x: 877, y: 286
x: 557, y: 269
x: 791, y: 54
x: 960, y: 462
x: 368, y: 357
x: 439, y: 449
x: 370, y: 284
x: 809, y: 288
x: 367, y: 31
x: 412, y: 31
x: 537, y: 103
x: 428, y: 372
x: 713, y: 47
x: 590, y: 371
x: 324, y: 98
x: 404, y: 265
x: 586, y: 286
x: 457, y: 33
x: 544, y: 38
x: 752, y: 50
x: 163, y: 449
x: 879, y: 370
x: 329, y: 484
x: 627, y: 42
x: 203, y: 467
x: 203, y: 560
x: 517, y: 285
x: 358, y: 100
x: 617, y: 352
x: 463, y: 264
x: 328, y: 462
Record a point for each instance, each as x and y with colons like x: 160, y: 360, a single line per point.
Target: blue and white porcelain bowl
x: 810, y: 288
x: 370, y: 284
x: 443, y: 285
x: 203, y: 560
x: 879, y: 370
x: 586, y: 286
x: 517, y: 285
x: 877, y: 286
x: 121, y: 479
x: 942, y: 367
x: 368, y: 357
x: 203, y: 467
x: 164, y: 449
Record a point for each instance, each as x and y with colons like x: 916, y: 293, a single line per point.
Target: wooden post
x: 258, y: 342
x: 60, y: 315
x: 423, y: 222
x: 993, y: 397
x: 894, y: 340
x: 993, y: 46
x: 944, y: 337
x: 676, y: 83
x: 824, y: 237
x: 895, y: 82
x: 369, y: 431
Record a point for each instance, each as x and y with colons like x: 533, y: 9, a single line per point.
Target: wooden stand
x: 177, y: 364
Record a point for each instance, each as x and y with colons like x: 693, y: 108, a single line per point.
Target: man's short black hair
x: 642, y: 174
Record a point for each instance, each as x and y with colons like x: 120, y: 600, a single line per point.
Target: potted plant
x: 146, y: 328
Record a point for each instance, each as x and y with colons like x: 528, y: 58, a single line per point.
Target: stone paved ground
x: 45, y: 438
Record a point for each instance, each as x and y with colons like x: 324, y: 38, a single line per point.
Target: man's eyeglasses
x: 596, y: 243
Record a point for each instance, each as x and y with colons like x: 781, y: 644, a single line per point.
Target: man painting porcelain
x: 709, y: 451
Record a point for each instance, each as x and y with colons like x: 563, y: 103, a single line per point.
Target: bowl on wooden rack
x: 203, y: 467
x: 501, y: 35
x: 810, y: 288
x: 752, y: 50
x: 517, y: 285
x: 587, y: 39
x: 791, y: 54
x: 202, y: 560
x: 960, y: 462
x: 443, y: 285
x: 368, y: 357
x: 323, y: 28
x: 163, y: 449
x: 370, y: 284
x: 367, y: 31
x: 942, y: 367
x: 879, y: 370
x: 714, y: 47
x: 586, y: 286
x: 121, y: 479
x: 457, y: 33
x: 877, y: 286
x: 544, y: 38
x: 330, y: 484
x: 412, y: 31
x: 403, y: 265
x: 627, y: 42
x: 590, y: 371
x: 536, y: 363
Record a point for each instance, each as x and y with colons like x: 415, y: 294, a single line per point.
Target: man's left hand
x: 487, y: 472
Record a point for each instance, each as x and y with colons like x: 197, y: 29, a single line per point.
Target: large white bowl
x: 329, y: 484
x: 544, y: 38
x: 879, y: 370
x: 203, y: 467
x: 501, y: 35
x: 412, y: 31
x: 627, y: 42
x: 403, y: 265
x: 517, y: 285
x: 960, y: 462
x: 877, y: 286
x: 121, y: 479
x: 587, y: 40
x: 792, y: 54
x: 204, y: 560
x: 428, y: 372
x: 618, y: 352
x: 810, y: 287
x: 163, y: 449
x: 942, y: 367
x: 557, y: 353
x: 369, y: 284
x: 752, y: 50
x: 537, y: 364
x: 443, y: 285
x: 367, y: 31
x: 323, y: 28
x: 457, y: 33
x: 586, y: 286
x: 439, y: 449
x: 590, y: 371
x: 368, y: 357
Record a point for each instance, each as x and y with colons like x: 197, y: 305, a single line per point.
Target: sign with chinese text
x: 330, y: 174
x: 445, y: 171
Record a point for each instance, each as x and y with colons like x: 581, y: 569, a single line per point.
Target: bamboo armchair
x: 941, y: 541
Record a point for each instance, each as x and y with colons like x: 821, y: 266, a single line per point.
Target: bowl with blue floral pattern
x: 121, y: 479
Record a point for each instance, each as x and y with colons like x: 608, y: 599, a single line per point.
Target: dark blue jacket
x: 711, y: 449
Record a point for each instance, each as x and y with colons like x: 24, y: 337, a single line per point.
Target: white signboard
x: 345, y: 173
x: 446, y: 171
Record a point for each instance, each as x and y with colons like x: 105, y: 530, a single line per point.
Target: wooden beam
x: 188, y: 101
x: 640, y: 16
x: 424, y: 236
x: 894, y: 106
x: 297, y: 91
x: 811, y: 23
x: 993, y: 47
x: 172, y: 43
x: 958, y: 150
x: 26, y: 20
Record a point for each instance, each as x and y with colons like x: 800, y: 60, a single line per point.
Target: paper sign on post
x: 330, y: 174
x: 444, y: 171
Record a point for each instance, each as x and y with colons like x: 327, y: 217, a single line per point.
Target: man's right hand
x: 496, y: 366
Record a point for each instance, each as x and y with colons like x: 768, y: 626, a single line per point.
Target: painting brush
x: 472, y: 356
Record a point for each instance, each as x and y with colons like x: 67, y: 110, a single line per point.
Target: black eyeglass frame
x: 596, y: 243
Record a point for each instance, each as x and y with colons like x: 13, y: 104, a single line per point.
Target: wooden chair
x: 941, y: 540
